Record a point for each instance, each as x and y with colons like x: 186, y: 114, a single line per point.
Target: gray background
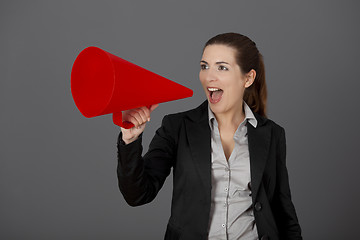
x: 58, y: 168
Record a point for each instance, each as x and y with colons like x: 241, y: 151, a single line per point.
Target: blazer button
x: 264, y: 237
x: 249, y: 185
x: 258, y: 206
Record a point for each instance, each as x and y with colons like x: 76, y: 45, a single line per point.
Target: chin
x: 216, y: 107
x: 223, y: 107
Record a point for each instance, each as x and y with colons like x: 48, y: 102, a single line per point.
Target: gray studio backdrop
x: 58, y: 168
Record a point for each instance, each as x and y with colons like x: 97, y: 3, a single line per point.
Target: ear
x: 250, y: 77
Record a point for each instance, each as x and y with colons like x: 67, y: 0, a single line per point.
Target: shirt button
x: 226, y: 169
x: 226, y: 189
x: 258, y: 206
x: 223, y: 225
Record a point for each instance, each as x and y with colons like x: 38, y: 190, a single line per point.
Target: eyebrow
x: 202, y: 61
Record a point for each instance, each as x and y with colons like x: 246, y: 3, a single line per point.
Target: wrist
x: 130, y: 140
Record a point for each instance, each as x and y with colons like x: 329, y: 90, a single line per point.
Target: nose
x: 209, y: 75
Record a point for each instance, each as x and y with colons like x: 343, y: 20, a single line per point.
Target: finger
x: 138, y: 117
x: 131, y: 118
x: 136, y: 114
x: 143, y: 114
x: 152, y: 107
x: 142, y: 127
x: 147, y: 112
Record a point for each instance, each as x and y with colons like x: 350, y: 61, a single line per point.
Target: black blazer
x: 183, y: 142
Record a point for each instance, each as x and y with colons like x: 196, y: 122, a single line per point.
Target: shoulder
x: 196, y: 114
x: 173, y: 124
x: 271, y: 125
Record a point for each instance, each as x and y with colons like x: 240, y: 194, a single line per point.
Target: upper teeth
x: 214, y: 89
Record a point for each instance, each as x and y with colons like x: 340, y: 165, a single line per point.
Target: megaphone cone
x: 102, y: 83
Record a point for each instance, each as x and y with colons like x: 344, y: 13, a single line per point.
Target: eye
x: 222, y: 68
x: 203, y: 66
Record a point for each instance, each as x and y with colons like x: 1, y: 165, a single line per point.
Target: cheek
x: 240, y: 82
x: 237, y: 86
x: 201, y: 78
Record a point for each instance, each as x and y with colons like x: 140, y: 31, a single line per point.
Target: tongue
x: 216, y: 96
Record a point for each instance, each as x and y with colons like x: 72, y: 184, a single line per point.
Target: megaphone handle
x: 117, y: 119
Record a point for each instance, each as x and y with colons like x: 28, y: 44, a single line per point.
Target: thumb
x: 152, y: 107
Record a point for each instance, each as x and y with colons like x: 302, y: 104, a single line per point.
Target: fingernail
x: 148, y: 119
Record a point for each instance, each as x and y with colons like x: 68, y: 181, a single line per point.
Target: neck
x: 231, y: 118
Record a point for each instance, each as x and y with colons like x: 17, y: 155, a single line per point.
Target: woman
x: 228, y: 159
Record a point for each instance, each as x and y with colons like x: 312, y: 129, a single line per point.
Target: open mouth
x: 215, y: 94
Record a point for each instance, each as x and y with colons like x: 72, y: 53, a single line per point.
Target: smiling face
x: 222, y: 79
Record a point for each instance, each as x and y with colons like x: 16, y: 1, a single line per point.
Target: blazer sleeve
x: 284, y: 209
x: 141, y: 178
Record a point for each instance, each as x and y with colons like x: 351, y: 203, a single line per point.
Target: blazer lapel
x: 259, y: 143
x: 199, y: 137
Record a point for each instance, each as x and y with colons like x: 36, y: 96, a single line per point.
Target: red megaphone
x: 102, y: 83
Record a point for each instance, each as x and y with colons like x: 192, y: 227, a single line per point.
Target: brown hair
x: 248, y: 57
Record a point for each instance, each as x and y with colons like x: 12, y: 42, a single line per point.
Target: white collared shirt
x: 231, y: 214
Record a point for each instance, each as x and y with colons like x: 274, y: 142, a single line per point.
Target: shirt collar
x: 249, y: 116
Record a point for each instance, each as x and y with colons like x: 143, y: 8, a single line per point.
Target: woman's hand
x: 139, y: 117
